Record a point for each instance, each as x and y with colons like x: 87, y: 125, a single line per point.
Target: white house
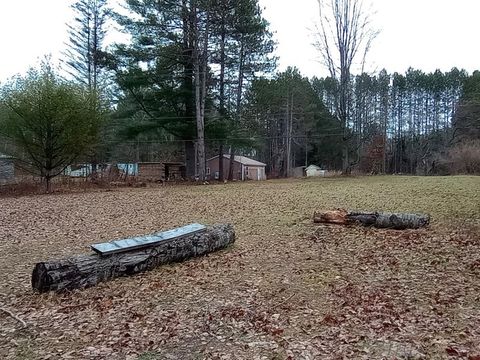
x: 314, y: 170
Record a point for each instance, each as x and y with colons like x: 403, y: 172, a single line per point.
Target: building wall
x: 212, y: 165
x: 254, y: 172
x: 85, y: 170
x: 174, y: 171
x: 151, y: 171
x: 315, y: 172
x: 7, y: 171
x: 251, y: 173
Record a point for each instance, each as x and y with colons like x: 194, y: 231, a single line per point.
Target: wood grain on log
x: 88, y: 270
x: 397, y: 221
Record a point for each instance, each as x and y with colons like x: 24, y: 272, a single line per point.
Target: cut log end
x: 40, y: 277
x: 332, y: 217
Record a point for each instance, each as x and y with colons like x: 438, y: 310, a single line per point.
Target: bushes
x: 371, y: 161
x: 461, y: 159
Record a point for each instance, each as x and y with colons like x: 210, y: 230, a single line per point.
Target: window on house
x: 246, y: 170
x: 208, y: 171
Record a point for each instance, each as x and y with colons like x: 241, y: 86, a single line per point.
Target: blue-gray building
x: 7, y: 169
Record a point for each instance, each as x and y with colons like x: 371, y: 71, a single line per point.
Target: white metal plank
x: 138, y: 242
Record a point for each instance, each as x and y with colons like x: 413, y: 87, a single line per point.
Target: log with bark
x: 88, y: 270
x: 399, y: 221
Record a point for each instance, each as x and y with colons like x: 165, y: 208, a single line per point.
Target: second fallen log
x: 88, y: 270
x: 399, y: 221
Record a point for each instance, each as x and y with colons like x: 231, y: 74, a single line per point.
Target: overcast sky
x: 424, y: 34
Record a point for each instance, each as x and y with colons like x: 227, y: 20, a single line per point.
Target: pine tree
x: 293, y: 125
x: 467, y: 118
x: 85, y: 58
x: 85, y: 54
x: 167, y: 72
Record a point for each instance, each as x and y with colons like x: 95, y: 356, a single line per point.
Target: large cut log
x: 397, y: 221
x: 88, y: 270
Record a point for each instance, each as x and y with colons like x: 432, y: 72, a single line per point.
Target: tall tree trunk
x: 200, y: 128
x: 238, y: 110
x: 204, y: 75
x: 188, y: 90
x: 343, y: 110
x: 287, y: 138
x: 231, y: 163
x: 345, y: 157
x: 306, y: 151
x: 220, y: 162
x: 240, y: 81
x: 201, y: 91
x: 199, y: 98
x: 95, y: 48
x: 221, y: 175
x: 290, y: 130
x: 189, y: 159
x: 48, y: 183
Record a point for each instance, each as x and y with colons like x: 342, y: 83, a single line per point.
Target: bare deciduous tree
x: 345, y: 35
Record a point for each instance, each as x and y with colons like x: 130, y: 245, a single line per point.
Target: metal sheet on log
x: 139, y: 242
x: 82, y: 271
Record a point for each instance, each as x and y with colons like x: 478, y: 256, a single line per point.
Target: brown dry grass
x: 286, y: 290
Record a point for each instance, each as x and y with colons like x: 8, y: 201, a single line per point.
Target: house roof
x: 313, y: 167
x: 242, y: 160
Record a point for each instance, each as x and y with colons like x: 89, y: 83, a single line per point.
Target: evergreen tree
x: 467, y: 118
x: 85, y: 60
x: 168, y: 72
x: 85, y: 54
x: 292, y: 124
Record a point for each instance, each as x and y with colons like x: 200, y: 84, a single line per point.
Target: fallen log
x: 399, y: 221
x: 88, y: 270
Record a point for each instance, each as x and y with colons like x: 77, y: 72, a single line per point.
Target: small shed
x: 161, y: 171
x: 314, y: 170
x: 244, y: 168
x: 174, y: 171
x: 7, y: 169
x: 151, y: 171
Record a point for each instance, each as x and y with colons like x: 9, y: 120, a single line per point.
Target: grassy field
x: 287, y: 289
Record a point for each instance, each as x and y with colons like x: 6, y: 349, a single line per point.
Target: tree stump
x: 88, y: 270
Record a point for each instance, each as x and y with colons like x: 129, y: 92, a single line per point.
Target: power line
x: 140, y: 142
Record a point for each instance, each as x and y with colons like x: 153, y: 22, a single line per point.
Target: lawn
x: 287, y: 289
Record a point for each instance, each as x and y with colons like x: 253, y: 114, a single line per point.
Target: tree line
x: 400, y: 123
x: 198, y: 78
